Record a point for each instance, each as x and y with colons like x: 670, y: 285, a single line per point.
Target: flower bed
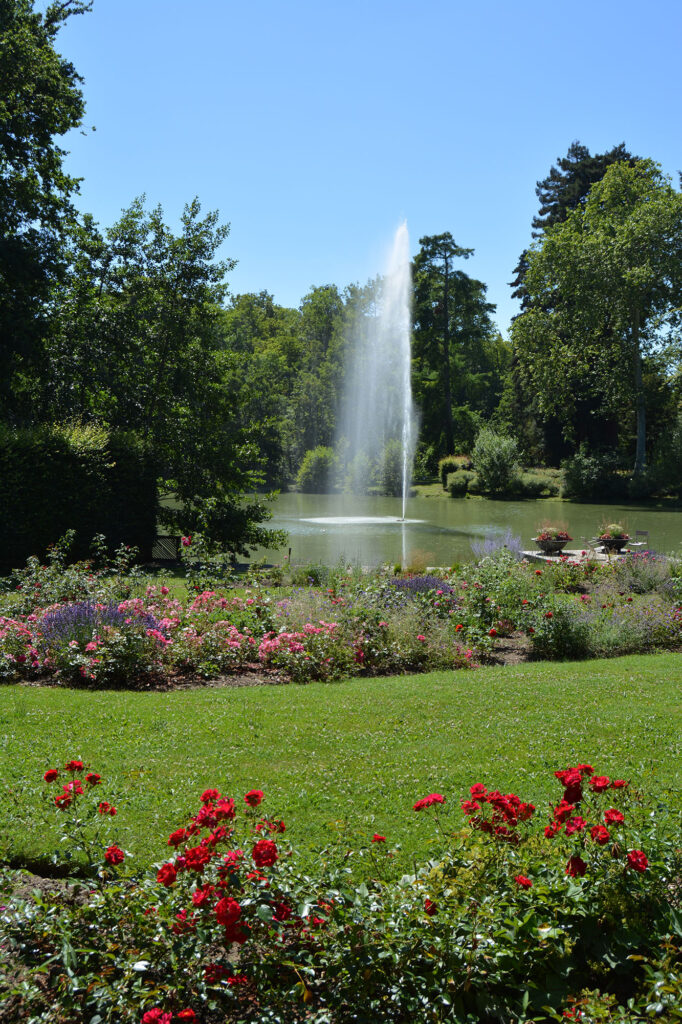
x: 519, y: 914
x: 122, y: 630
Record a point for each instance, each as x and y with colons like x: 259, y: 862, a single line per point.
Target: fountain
x: 376, y: 421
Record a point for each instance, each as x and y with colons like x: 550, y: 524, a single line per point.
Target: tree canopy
x: 606, y: 290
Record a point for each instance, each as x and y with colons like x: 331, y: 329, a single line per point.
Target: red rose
x: 73, y: 766
x: 209, y: 794
x: 613, y: 817
x: 264, y: 853
x: 599, y: 783
x: 166, y: 874
x: 575, y: 825
x: 478, y: 790
x: 428, y: 801
x: 638, y: 860
x: 156, y: 1016
x: 224, y: 809
x: 618, y: 784
x: 526, y: 811
x: 576, y: 866
x: 492, y: 632
x: 186, y: 541
x: 430, y: 908
x: 376, y: 838
x: 227, y: 911
x: 200, y: 897
x: 282, y: 912
x: 51, y: 774
x: 253, y: 797
x: 563, y: 811
x: 549, y: 615
x: 600, y: 834
x: 93, y: 778
x: 113, y: 855
x: 237, y: 979
x: 524, y: 882
x: 177, y: 838
x: 187, y: 1015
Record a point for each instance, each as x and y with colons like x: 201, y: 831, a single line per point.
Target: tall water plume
x: 377, y: 417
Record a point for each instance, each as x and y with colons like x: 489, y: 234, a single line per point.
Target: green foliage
x: 391, y: 469
x: 457, y: 483
x: 41, y: 102
x: 495, y: 459
x: 450, y: 464
x: 590, y: 474
x: 459, y: 358
x: 506, y: 919
x: 85, y: 478
x: 316, y: 472
x: 605, y: 292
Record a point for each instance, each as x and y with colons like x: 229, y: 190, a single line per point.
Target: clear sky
x: 316, y: 126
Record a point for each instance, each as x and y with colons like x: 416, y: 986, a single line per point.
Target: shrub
x: 592, y: 474
x: 315, y: 473
x: 560, y: 631
x: 458, y: 482
x: 518, y: 915
x: 71, y: 477
x: 451, y: 464
x: 360, y: 475
x: 495, y: 458
x: 539, y: 483
x: 391, y: 469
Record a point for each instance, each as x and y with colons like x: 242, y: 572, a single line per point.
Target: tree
x: 564, y: 189
x: 137, y: 342
x: 605, y: 288
x: 41, y: 101
x: 459, y: 357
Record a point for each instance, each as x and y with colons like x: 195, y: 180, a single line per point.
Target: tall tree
x: 457, y: 351
x: 606, y: 291
x: 564, y: 189
x: 41, y: 101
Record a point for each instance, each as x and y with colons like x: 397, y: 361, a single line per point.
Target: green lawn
x: 350, y: 757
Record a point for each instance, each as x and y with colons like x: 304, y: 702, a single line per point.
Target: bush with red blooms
x: 82, y: 818
x: 523, y: 915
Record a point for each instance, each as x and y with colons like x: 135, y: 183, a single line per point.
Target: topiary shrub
x: 495, y: 458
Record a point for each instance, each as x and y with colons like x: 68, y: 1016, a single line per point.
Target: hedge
x: 86, y: 478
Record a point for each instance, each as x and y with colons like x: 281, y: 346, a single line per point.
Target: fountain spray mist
x: 377, y: 418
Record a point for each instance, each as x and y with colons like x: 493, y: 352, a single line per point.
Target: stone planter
x: 554, y: 546
x: 613, y: 544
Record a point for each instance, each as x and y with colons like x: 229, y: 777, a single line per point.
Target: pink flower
x: 186, y: 541
x: 420, y: 636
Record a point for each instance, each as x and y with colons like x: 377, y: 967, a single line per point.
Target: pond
x: 328, y: 528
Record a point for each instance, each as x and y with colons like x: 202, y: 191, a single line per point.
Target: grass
x: 346, y: 759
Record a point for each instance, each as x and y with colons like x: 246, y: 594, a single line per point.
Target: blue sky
x: 316, y: 127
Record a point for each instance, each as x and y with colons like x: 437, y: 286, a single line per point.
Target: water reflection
x: 367, y: 530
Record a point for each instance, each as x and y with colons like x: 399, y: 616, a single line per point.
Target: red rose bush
x: 522, y: 903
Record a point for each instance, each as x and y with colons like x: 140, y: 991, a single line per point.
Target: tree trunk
x: 449, y: 431
x: 640, y: 402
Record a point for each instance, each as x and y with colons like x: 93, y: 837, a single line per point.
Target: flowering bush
x: 521, y: 916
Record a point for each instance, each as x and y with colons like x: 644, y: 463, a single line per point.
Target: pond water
x: 328, y: 528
